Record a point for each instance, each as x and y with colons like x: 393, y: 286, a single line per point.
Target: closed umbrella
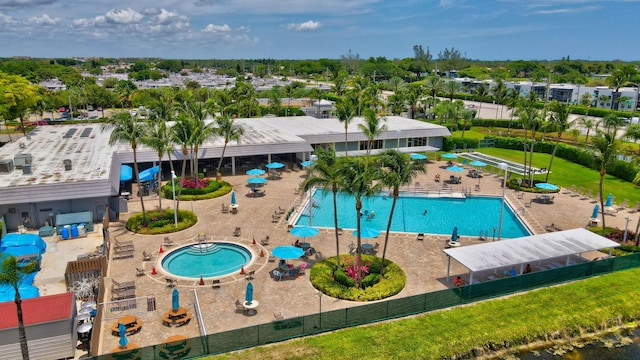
x: 175, y: 299
x: 275, y: 165
x: 148, y: 175
x: 248, y: 297
x: 547, y: 186
x: 596, y: 211
x: 455, y: 168
x: 233, y: 197
x: 454, y: 234
x: 418, y: 156
x: 122, y: 330
x: 255, y: 172
x: 287, y: 252
x: 304, y: 231
x: 449, y: 156
x: 609, y: 200
x: 367, y: 233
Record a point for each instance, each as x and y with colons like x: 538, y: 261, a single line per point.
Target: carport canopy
x: 528, y: 249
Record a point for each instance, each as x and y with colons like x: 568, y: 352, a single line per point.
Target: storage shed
x: 85, y: 217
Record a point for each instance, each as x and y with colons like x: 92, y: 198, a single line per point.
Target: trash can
x: 64, y: 233
x: 74, y: 230
x: 82, y: 230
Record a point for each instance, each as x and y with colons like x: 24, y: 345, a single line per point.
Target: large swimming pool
x: 471, y: 215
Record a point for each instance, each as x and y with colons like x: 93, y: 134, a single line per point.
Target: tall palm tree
x: 324, y: 173
x: 125, y: 127
x: 229, y: 131
x: 413, y: 94
x: 560, y: 119
x: 433, y: 85
x: 359, y: 180
x: 158, y: 138
x: 588, y: 124
x: 202, y: 131
x: 511, y: 100
x: 345, y: 110
x: 451, y: 87
x: 481, y: 92
x: 11, y: 274
x: 372, y: 128
x: 182, y: 133
x: 606, y: 146
x: 397, y: 170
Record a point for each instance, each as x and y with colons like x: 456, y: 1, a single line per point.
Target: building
x: 72, y: 168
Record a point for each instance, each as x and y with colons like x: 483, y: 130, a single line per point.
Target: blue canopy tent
x: 149, y: 174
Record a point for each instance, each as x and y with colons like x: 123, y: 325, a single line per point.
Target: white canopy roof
x: 506, y: 253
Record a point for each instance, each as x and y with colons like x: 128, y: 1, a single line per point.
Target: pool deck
x: 423, y: 261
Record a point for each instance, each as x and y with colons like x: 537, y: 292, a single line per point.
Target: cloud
x: 217, y: 29
x: 24, y: 3
x: 305, y: 26
x: 567, y: 10
x: 45, y: 20
x: 123, y: 16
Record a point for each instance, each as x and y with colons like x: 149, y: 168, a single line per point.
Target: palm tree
x: 451, y: 87
x: 499, y: 91
x: 202, y: 131
x: 182, y: 133
x: 606, y: 146
x: 559, y: 118
x: 481, y: 92
x: 433, y: 85
x: 372, y: 128
x: 229, y: 131
x: 398, y: 170
x: 11, y: 274
x: 345, y: 110
x: 413, y: 94
x: 158, y: 138
x: 125, y: 127
x: 324, y: 173
x: 358, y: 180
x: 511, y: 100
x: 588, y: 124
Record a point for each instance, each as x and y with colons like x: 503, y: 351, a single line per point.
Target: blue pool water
x: 208, y: 259
x: 470, y: 215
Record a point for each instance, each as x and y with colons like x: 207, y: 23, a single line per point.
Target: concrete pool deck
x: 423, y: 261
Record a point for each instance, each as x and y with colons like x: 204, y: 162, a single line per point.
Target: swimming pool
x: 471, y: 215
x: 207, y: 259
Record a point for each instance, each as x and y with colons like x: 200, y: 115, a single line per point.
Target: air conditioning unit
x: 26, y: 169
x: 67, y: 164
x: 22, y: 159
x: 6, y: 165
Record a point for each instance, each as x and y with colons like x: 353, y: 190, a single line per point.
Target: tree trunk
x: 386, y: 237
x: 184, y: 170
x: 335, y: 222
x: 602, y: 174
x: 345, y: 139
x: 160, y: 181
x: 546, y: 179
x: 218, y: 174
x: 135, y: 165
x: 22, y: 334
x: 358, y: 244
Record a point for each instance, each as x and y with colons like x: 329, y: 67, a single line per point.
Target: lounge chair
x: 225, y: 208
x: 123, y: 254
x: 240, y: 307
x: 215, y: 284
x: 171, y: 282
x: 277, y: 315
x: 302, y: 268
x: 236, y: 232
x: 420, y: 236
x: 577, y: 192
x: 265, y: 241
x: 281, y: 211
x: 168, y: 241
x: 587, y: 195
x: 624, y: 205
x: 123, y: 244
x: 146, y: 256
x: 569, y: 190
x: 275, y: 218
x: 635, y: 208
x: 122, y: 286
x: 122, y: 295
x: 249, y: 275
x: 139, y: 271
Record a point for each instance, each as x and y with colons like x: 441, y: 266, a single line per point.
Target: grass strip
x: 570, y: 309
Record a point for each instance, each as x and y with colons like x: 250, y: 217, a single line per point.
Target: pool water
x: 471, y: 215
x: 208, y: 259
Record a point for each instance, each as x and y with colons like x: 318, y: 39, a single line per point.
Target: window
x: 422, y: 141
x: 376, y: 144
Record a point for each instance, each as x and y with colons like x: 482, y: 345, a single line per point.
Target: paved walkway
x: 423, y: 261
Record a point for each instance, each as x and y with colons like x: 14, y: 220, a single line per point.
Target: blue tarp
x: 126, y: 173
x: 17, y: 240
x: 22, y: 250
x: 148, y: 175
x: 26, y: 292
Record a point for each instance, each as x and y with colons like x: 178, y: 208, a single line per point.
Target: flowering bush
x: 190, y: 184
x: 349, y: 266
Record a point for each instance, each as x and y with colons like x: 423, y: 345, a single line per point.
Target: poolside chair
x: 265, y: 241
x: 624, y: 205
x: 225, y: 208
x: 128, y: 244
x: 168, y: 241
x: 635, y: 208
x: 171, y: 282
x: 577, y: 192
x: 569, y: 190
x: 139, y: 271
x: 122, y: 286
x: 240, y: 307
x: 215, y: 284
x: 146, y: 256
x: 420, y: 236
x: 236, y: 232
x: 587, y: 195
x: 302, y: 268
x: 281, y: 211
x: 249, y: 275
x: 277, y: 315
x: 275, y: 218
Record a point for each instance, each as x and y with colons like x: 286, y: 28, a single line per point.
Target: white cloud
x: 24, y: 3
x: 43, y: 20
x: 568, y: 10
x: 167, y: 17
x: 217, y: 29
x: 123, y: 16
x: 305, y: 26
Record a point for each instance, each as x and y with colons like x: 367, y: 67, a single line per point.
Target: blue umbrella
x: 596, y: 211
x: 257, y: 180
x: 255, y: 172
x: 454, y: 234
x: 477, y: 163
x: 275, y: 165
x: 367, y: 233
x: 287, y: 252
x: 449, y: 156
x: 547, y: 186
x: 122, y: 330
x: 418, y: 156
x: 126, y: 173
x: 233, y: 197
x: 455, y: 168
x: 248, y: 297
x: 175, y: 299
x: 609, y: 200
x: 147, y: 175
x: 304, y: 231
x: 307, y: 163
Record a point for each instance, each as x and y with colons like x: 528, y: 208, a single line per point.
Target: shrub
x: 343, y: 279
x: 161, y: 222
x: 213, y: 189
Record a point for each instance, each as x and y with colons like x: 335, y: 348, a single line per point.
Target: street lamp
x: 626, y: 227
x: 505, y: 167
x: 320, y: 310
x: 173, y: 187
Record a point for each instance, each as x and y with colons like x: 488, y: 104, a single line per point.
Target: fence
x: 85, y: 269
x: 337, y: 319
x: 484, y: 143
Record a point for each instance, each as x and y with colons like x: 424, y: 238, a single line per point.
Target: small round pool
x: 209, y: 259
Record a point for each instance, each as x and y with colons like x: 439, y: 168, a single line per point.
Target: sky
x: 313, y: 29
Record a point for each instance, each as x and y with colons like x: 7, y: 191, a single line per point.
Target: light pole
x: 626, y: 227
x: 320, y: 310
x: 398, y: 133
x: 504, y: 167
x: 173, y: 187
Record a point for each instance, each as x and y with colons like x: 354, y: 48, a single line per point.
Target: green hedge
x: 448, y: 142
x: 161, y: 222
x: 499, y: 123
x: 213, y: 190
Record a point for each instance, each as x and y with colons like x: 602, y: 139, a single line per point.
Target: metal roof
x: 528, y: 249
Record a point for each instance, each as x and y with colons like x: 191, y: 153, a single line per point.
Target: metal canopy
x: 529, y: 249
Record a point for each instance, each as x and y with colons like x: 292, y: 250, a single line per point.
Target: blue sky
x: 312, y: 29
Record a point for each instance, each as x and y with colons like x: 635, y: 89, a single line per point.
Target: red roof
x: 37, y: 310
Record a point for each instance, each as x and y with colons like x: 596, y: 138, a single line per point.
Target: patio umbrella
x: 547, y: 186
x: 126, y: 173
x: 304, y: 231
x: 367, y: 232
x: 175, y: 299
x: 233, y: 197
x: 454, y: 234
x: 307, y: 163
x: 609, y: 200
x: 122, y: 330
x: 287, y: 252
x: 477, y: 163
x: 256, y: 180
x: 415, y: 156
x: 449, y: 156
x: 255, y: 172
x: 455, y: 168
x: 147, y: 175
x: 275, y: 165
x: 596, y: 211
x: 248, y: 297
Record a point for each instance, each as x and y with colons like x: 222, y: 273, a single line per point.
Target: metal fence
x: 337, y: 319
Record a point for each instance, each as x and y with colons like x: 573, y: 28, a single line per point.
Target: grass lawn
x: 566, y: 309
